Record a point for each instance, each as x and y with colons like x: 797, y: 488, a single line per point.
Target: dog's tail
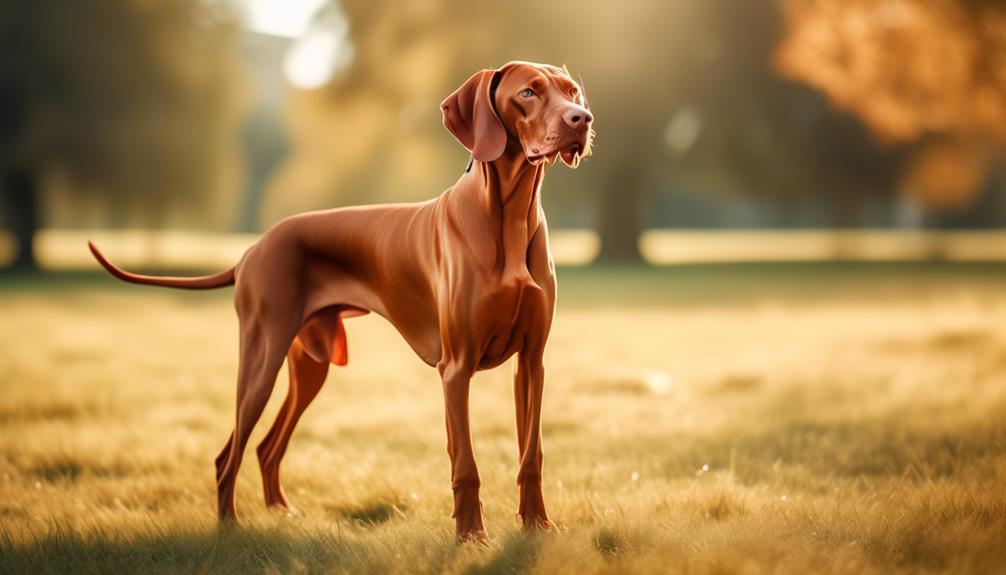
x: 224, y: 278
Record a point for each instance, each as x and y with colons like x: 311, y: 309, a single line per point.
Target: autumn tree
x: 926, y: 73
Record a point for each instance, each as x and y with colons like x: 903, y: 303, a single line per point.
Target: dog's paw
x: 537, y: 524
x: 284, y: 510
x: 478, y: 536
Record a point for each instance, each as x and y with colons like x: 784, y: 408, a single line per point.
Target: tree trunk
x: 620, y: 218
x: 265, y: 148
x: 19, y: 190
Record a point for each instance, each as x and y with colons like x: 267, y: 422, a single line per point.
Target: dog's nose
x: 576, y: 116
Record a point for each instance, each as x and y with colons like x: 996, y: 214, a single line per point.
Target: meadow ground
x: 751, y: 419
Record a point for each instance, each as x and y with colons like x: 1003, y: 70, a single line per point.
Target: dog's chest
x: 511, y: 311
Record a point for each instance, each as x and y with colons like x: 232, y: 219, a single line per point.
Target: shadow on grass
x: 885, y: 447
x: 516, y: 554
x: 373, y: 511
x: 227, y: 551
x: 237, y: 550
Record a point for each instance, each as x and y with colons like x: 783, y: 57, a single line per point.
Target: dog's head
x: 539, y: 106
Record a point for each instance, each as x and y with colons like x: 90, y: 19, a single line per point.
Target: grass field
x: 745, y: 419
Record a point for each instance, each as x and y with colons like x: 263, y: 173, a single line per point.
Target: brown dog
x: 466, y: 278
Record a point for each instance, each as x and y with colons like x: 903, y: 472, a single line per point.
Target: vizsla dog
x: 466, y: 278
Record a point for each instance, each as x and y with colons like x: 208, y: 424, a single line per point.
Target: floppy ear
x: 470, y: 117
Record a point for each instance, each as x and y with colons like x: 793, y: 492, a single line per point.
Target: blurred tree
x: 135, y: 99
x: 771, y: 136
x: 907, y: 67
x: 930, y: 74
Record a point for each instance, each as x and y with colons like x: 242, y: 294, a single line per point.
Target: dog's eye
x: 526, y: 92
x: 574, y: 91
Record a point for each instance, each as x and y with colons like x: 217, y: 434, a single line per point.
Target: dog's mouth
x: 570, y: 154
x: 549, y: 157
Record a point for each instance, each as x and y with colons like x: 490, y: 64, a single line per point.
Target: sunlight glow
x: 286, y: 18
x: 683, y: 130
x: 315, y: 59
x: 321, y: 46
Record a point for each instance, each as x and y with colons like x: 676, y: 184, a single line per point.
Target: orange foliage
x: 905, y: 67
x: 946, y: 175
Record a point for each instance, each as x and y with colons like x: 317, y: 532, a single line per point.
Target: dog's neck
x: 512, y: 188
x: 511, y: 178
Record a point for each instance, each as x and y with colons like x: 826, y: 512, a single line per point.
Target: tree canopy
x: 906, y: 67
x: 135, y: 100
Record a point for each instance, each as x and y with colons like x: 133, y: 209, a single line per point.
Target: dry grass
x: 851, y: 429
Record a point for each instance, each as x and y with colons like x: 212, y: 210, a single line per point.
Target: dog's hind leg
x: 306, y: 379
x: 262, y: 354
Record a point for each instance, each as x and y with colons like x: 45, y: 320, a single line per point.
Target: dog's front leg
x: 464, y: 473
x: 528, y: 387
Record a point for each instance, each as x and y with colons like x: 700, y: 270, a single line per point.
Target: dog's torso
x: 437, y: 270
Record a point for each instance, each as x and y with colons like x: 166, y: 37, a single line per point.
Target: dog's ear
x: 470, y: 116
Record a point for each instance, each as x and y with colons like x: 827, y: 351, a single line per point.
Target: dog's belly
x: 415, y: 322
